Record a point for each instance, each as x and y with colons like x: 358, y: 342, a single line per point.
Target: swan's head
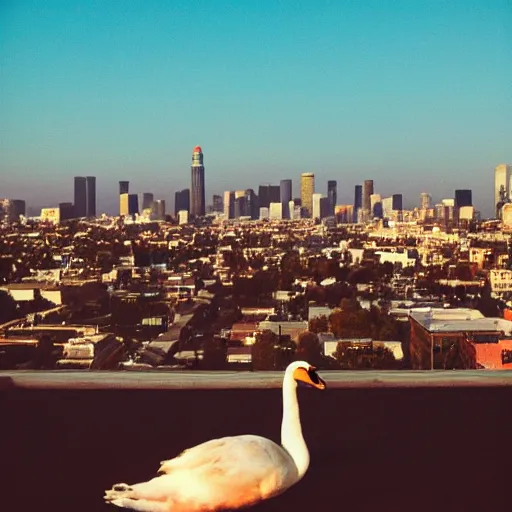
x: 304, y: 373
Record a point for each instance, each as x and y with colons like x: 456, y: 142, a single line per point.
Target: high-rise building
x: 320, y: 206
x: 19, y: 208
x: 218, y: 204
x: 229, y: 204
x: 367, y: 192
x: 91, y: 196
x: 123, y: 205
x: 344, y: 213
x: 275, y: 193
x: 183, y: 217
x: 240, y: 204
x: 251, y: 203
x: 286, y: 197
x: 264, y: 195
x: 275, y: 211
x: 11, y: 209
x: 66, y: 211
x: 463, y: 198
x: 375, y: 206
x: 147, y: 201
x: 316, y: 213
x: 332, y: 195
x: 502, y: 188
x: 133, y: 204
x: 80, y: 198
x: 307, y: 189
x: 181, y: 201
x: 425, y: 201
x: 158, y: 209
x: 197, y: 191
x: 358, y: 201
x: 398, y: 202
x: 124, y: 187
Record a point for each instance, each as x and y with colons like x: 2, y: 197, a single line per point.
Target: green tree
x: 7, y: 307
x: 309, y: 348
x: 352, y: 356
x: 319, y: 324
x: 214, y: 354
x: 263, y: 351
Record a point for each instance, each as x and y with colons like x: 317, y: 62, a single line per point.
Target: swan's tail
x: 122, y: 495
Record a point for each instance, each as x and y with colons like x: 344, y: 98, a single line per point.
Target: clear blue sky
x: 414, y: 94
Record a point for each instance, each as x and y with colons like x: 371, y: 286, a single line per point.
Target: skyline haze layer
x: 416, y: 96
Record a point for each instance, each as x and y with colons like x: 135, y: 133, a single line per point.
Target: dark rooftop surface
x: 160, y: 379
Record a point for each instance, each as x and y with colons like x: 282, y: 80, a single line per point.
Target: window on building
x: 506, y: 356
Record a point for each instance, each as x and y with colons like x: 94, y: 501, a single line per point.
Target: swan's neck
x: 291, y: 430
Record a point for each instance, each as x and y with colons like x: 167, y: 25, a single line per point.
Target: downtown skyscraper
x: 197, y: 191
x: 85, y: 197
x: 307, y: 189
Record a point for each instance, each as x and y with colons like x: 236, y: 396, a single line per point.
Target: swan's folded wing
x: 231, y: 457
x: 238, y: 469
x: 194, y: 457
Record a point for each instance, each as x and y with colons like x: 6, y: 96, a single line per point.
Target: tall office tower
x: 147, y: 201
x: 463, y: 198
x: 11, y: 209
x: 320, y: 206
x: 275, y: 211
x: 332, y: 195
x: 66, y: 211
x: 307, y: 189
x: 91, y: 196
x: 181, y: 201
x: 240, y: 205
x: 425, y: 201
x: 275, y: 193
x: 387, y: 207
x: 124, y: 187
x: 218, y: 204
x: 398, y: 202
x: 123, y: 205
x: 251, y: 204
x: 376, y: 206
x: 80, y: 197
x: 18, y: 208
x: 197, y: 192
x: 158, y: 209
x: 367, y: 192
x: 229, y: 204
x: 286, y: 197
x: 358, y: 201
x: 133, y: 204
x: 502, y: 188
x: 315, y: 213
x: 291, y: 209
x: 264, y: 195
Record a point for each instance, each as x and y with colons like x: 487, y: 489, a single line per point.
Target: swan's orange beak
x: 309, y: 377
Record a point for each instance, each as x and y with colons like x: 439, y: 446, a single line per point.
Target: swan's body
x: 230, y: 472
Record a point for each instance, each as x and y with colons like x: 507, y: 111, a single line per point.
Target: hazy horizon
x: 416, y: 96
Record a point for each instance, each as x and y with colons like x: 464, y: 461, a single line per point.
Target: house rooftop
x: 459, y: 319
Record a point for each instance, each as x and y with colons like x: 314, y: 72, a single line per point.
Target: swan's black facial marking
x: 314, y: 376
x: 306, y: 375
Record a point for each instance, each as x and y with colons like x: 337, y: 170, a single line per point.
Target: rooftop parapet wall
x: 204, y: 380
x: 376, y: 443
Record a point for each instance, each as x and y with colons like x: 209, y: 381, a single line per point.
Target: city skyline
x: 297, y: 191
x: 414, y: 96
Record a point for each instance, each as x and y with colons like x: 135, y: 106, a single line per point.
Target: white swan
x: 230, y: 472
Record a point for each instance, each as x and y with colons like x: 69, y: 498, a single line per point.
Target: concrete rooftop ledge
x: 245, y: 380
